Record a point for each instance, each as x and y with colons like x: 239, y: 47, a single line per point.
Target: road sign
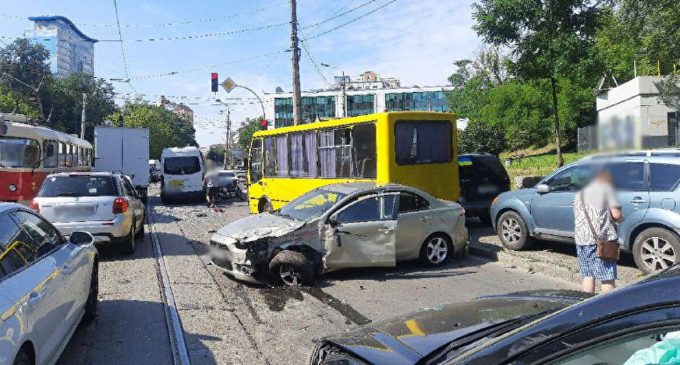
x: 228, y: 84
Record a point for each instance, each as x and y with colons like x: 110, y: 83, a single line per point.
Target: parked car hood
x: 259, y: 226
x: 410, y: 338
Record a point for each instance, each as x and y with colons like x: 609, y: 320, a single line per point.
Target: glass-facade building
x: 330, y: 106
x: 313, y: 107
x: 360, y: 104
x: 435, y: 101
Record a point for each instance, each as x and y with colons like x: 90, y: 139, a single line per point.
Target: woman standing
x: 596, y: 210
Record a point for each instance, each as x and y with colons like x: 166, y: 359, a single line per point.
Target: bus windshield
x: 181, y: 165
x: 19, y: 152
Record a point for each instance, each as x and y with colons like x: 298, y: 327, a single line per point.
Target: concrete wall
x: 633, y: 115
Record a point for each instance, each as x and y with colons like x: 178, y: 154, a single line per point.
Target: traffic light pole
x: 295, y: 58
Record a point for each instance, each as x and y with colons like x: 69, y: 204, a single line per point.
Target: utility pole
x: 82, y: 117
x: 295, y: 58
x: 227, y: 145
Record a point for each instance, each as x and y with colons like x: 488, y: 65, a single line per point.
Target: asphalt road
x: 227, y: 322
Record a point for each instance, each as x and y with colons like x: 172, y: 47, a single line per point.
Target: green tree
x: 166, y: 129
x: 246, y: 131
x: 550, y: 40
x: 481, y: 137
x: 66, y: 102
x: 24, y: 74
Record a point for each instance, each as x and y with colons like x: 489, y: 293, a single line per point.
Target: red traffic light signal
x: 215, y: 82
x: 263, y: 124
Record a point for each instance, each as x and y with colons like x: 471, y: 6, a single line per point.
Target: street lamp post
x: 227, y: 144
x: 344, y: 88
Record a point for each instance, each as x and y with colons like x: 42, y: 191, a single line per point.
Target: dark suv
x: 482, y: 178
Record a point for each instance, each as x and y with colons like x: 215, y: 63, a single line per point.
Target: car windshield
x: 78, y: 186
x: 19, y: 152
x: 311, y: 205
x: 181, y: 165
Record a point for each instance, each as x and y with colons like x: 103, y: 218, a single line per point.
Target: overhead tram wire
x: 122, y: 48
x: 201, y: 36
x: 316, y: 66
x: 338, y: 15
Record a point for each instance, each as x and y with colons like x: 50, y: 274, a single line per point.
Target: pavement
x: 229, y: 322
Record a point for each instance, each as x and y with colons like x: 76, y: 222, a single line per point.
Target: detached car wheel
x: 291, y: 268
x: 656, y: 249
x: 512, y: 230
x: 436, y: 250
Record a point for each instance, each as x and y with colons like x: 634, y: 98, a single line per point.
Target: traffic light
x: 215, y: 82
x: 263, y: 124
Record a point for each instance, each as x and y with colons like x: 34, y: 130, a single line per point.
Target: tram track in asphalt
x: 180, y: 355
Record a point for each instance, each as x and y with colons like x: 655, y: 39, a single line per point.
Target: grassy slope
x: 538, y: 165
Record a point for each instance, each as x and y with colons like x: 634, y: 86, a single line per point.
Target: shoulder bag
x: 606, y: 250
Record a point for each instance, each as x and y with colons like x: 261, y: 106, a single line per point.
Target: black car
x: 637, y: 324
x: 482, y: 178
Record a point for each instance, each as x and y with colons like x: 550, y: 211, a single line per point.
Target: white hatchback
x: 48, y: 285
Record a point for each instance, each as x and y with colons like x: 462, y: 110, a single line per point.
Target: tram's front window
x: 19, y: 152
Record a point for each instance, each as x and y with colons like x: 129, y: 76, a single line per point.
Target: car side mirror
x: 542, y: 188
x: 333, y: 221
x: 81, y: 238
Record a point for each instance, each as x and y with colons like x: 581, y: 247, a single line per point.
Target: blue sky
x: 415, y: 40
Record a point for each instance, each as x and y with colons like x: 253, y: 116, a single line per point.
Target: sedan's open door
x: 361, y: 235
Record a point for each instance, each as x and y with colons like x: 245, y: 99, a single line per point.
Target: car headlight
x: 12, y: 188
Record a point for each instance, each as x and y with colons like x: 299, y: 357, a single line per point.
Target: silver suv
x: 648, y: 188
x: 102, y: 203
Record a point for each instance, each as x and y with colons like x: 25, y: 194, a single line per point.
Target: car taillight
x: 120, y: 205
x: 35, y: 206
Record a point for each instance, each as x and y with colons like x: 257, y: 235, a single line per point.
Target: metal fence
x: 587, y: 139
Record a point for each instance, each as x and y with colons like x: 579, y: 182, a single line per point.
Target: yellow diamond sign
x: 228, y: 84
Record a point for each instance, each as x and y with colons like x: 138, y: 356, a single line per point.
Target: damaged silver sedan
x: 338, y: 227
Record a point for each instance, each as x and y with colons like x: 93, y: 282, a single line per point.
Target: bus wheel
x: 265, y: 206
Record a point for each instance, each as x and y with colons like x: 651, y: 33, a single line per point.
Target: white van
x: 183, y: 172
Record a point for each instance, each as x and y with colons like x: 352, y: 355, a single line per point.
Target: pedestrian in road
x: 210, y: 184
x: 596, y: 210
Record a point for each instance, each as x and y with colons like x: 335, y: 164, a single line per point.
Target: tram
x: 28, y: 153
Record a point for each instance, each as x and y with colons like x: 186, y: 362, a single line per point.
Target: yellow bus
x: 418, y: 149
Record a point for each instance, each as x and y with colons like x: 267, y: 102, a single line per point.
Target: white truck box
x: 126, y: 150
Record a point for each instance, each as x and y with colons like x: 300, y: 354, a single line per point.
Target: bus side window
x: 62, y: 154
x: 423, y: 142
x: 335, y: 153
x: 256, y: 160
x: 363, y: 148
x: 269, y: 156
x: 50, y: 155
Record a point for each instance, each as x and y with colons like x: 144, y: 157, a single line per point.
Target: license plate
x: 178, y: 183
x: 487, y: 189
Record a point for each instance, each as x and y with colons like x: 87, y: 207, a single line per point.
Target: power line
x: 349, y: 22
x: 335, y: 16
x: 276, y: 4
x: 120, y: 38
x: 199, y: 36
x: 200, y: 68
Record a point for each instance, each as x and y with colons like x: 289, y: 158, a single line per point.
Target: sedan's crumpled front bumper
x: 234, y: 261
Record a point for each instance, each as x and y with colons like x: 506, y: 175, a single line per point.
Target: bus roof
x: 41, y: 133
x: 354, y: 120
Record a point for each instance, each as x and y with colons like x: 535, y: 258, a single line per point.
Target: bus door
x: 255, y: 173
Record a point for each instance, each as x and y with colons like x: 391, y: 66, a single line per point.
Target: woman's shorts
x: 592, y: 266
